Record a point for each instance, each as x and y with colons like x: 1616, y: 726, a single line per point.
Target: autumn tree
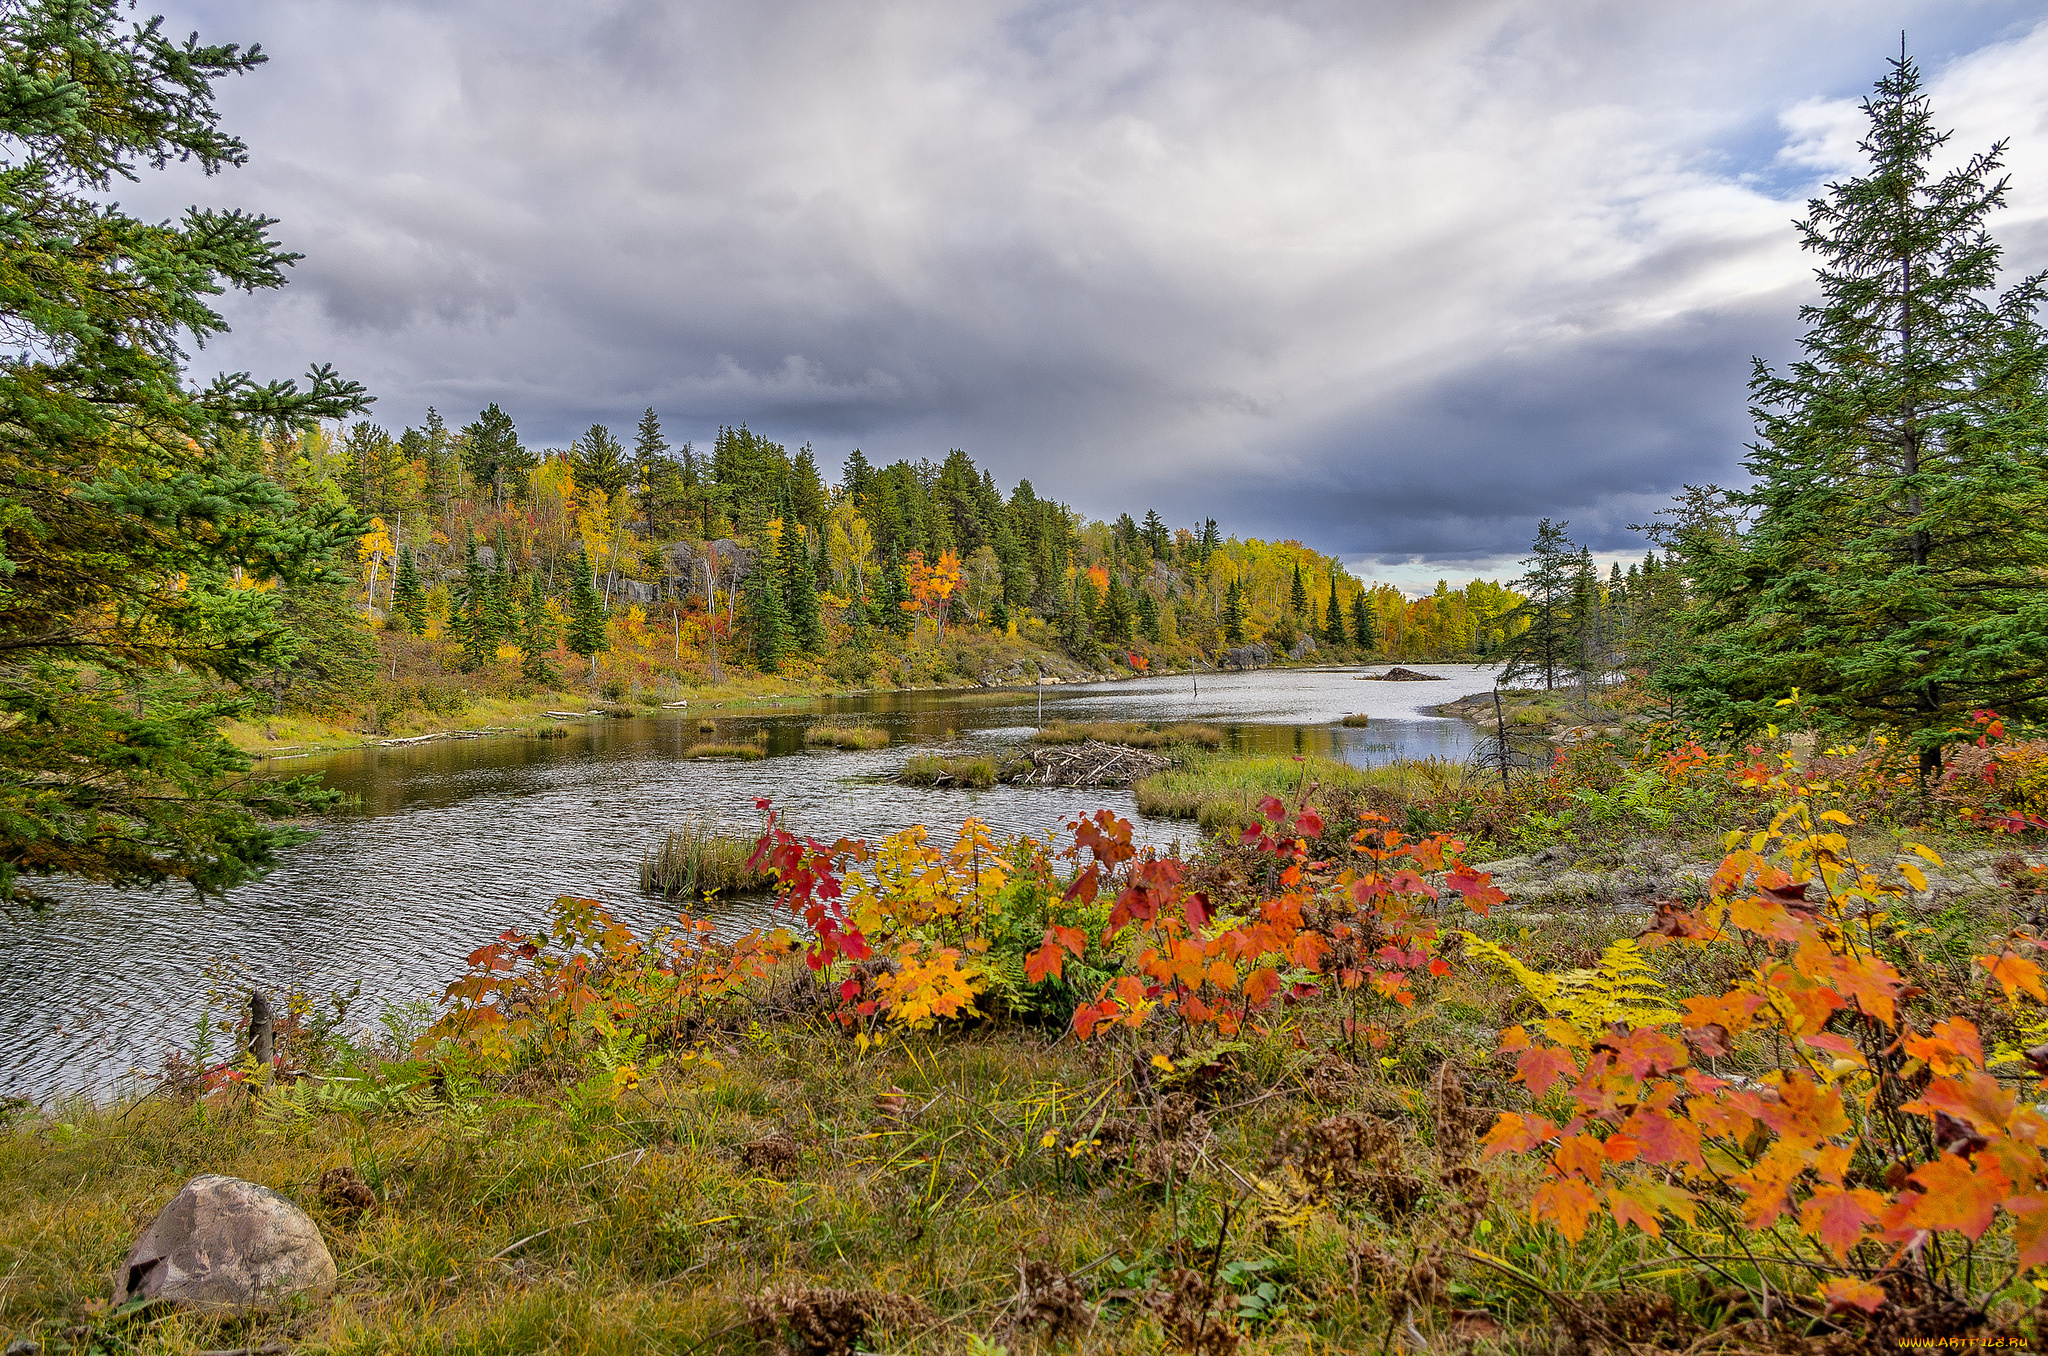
x: 1896, y: 564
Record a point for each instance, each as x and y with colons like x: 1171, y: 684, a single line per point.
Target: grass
x: 1356, y: 722
x: 715, y: 750
x: 1137, y: 736
x: 1223, y: 790
x: 928, y: 769
x: 848, y: 736
x: 693, y: 862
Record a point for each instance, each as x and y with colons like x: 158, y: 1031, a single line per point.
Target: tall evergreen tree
x: 1365, y: 623
x: 890, y: 597
x: 1297, y: 596
x: 800, y: 594
x: 492, y: 455
x: 408, y: 601
x: 537, y: 634
x: 130, y: 497
x: 1235, y: 613
x: 1333, y: 615
x: 587, y: 635
x: 470, y: 617
x: 1546, y: 647
x: 1896, y: 566
x: 1148, y: 616
x: 598, y: 461
x: 767, y: 609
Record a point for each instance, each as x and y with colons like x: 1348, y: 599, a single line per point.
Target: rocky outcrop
x: 1303, y: 647
x: 1244, y: 657
x: 224, y: 1246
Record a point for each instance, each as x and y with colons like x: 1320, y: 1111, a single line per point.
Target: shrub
x: 698, y: 861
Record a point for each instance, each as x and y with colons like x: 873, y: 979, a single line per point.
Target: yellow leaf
x: 1835, y: 817
x: 1914, y: 875
x: 1928, y: 853
x: 1162, y: 1062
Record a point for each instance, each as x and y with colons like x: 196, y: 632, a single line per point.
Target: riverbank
x: 732, y: 1169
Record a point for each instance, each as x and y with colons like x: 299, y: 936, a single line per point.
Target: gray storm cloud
x: 1395, y: 280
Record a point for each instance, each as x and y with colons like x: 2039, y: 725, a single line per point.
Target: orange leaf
x: 1626, y: 1209
x: 1580, y: 1155
x: 1960, y: 1194
x: 1662, y: 1139
x: 2013, y: 974
x: 1542, y: 1065
x: 1043, y: 964
x: 1953, y: 1048
x: 1844, y: 1291
x: 1261, y: 985
x: 1838, y: 1217
x: 1566, y: 1205
x: 2030, y: 1228
x: 1515, y: 1133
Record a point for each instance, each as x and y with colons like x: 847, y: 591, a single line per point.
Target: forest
x: 744, y: 556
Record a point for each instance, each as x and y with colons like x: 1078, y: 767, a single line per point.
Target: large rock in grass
x: 224, y: 1245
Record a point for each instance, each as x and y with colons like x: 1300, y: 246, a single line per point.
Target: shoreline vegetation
x: 868, y: 1121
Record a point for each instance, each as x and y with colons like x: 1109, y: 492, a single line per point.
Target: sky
x: 1394, y: 280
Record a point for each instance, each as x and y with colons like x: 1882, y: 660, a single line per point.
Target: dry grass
x: 928, y: 769
x: 1136, y: 736
x: 848, y: 736
x: 714, y: 750
x: 1356, y: 722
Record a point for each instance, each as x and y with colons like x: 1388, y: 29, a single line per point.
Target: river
x: 444, y: 844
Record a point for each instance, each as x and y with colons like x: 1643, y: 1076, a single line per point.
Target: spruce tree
x: 409, y: 602
x: 500, y: 620
x: 891, y: 614
x: 587, y: 636
x: 1119, y: 616
x: 1547, y: 646
x: 1235, y: 613
x: 1297, y: 596
x: 1148, y: 616
x: 806, y: 618
x: 537, y: 635
x: 999, y: 615
x: 1365, y: 623
x: 1333, y: 615
x: 767, y: 611
x: 131, y: 491
x: 1895, y: 569
x: 470, y: 616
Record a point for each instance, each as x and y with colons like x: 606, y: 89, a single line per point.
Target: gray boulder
x: 224, y: 1245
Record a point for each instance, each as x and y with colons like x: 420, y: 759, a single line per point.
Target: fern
x: 1624, y: 987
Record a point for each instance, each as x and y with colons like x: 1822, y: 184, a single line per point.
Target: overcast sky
x: 1391, y: 278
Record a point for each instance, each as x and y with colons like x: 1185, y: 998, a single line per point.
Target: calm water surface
x: 447, y: 843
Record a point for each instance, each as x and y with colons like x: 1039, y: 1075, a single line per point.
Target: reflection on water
x: 449, y: 842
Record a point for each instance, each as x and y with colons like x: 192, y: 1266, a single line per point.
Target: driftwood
x: 1401, y: 675
x: 1092, y: 763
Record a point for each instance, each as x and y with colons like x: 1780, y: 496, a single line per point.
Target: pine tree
x: 1118, y: 615
x: 894, y: 592
x: 1546, y: 648
x: 1895, y: 569
x: 1297, y: 596
x: 800, y: 595
x: 587, y: 634
x: 1365, y: 623
x: 767, y: 612
x: 537, y: 635
x: 598, y: 461
x: 499, y: 611
x: 1148, y: 616
x: 492, y: 455
x: 470, y: 615
x: 999, y: 615
x: 1077, y: 631
x: 1235, y: 613
x: 1333, y: 615
x: 408, y: 602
